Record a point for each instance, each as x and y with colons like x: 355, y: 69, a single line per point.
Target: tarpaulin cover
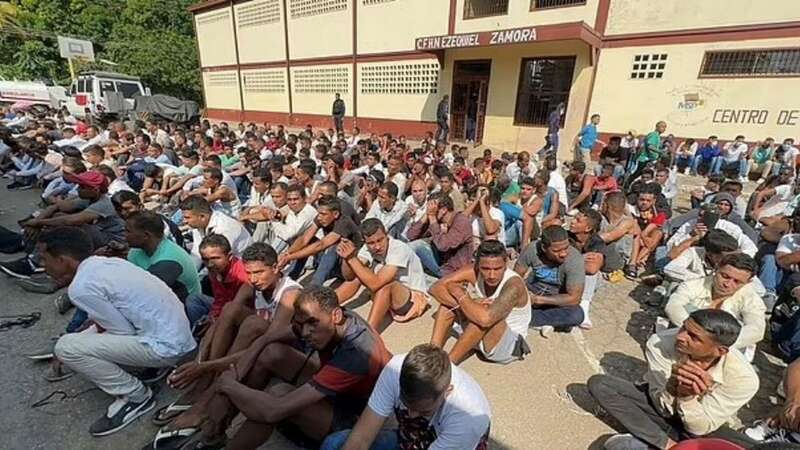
x: 170, y: 108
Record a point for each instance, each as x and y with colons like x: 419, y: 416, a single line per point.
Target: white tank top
x: 266, y: 308
x: 519, y: 318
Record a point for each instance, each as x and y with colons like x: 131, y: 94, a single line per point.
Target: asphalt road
x: 539, y: 403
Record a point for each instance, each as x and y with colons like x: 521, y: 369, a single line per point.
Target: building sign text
x: 784, y: 117
x: 500, y: 37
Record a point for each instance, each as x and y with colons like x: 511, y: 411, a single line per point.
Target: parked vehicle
x: 98, y: 91
x: 32, y: 93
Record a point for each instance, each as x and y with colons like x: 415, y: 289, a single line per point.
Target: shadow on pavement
x: 623, y: 366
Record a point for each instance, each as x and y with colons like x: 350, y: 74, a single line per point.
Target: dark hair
x: 371, y: 226
x: 446, y: 202
x: 125, y: 196
x: 95, y: 150
x: 72, y: 242
x: 108, y: 172
x: 718, y: 178
x: 324, y: 296
x: 330, y: 184
x: 718, y: 241
x: 196, y: 203
x: 594, y: 217
x: 553, y: 233
x: 528, y: 181
x: 391, y: 188
x: 544, y: 175
x: 721, y: 325
x: 651, y: 188
x: 425, y: 374
x: 740, y: 261
x: 491, y: 248
x: 213, y: 159
x: 214, y: 173
x: 308, y: 166
x: 263, y: 175
x: 262, y: 252
x: 147, y: 221
x: 299, y: 188
x: 578, y: 166
x: 330, y: 203
x: 216, y: 241
x: 151, y: 170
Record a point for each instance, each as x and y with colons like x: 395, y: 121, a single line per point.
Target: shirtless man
x: 495, y: 319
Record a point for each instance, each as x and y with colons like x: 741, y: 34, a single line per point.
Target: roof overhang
x: 526, y: 35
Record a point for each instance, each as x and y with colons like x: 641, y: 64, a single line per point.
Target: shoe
x: 625, y: 442
x: 43, y: 354
x: 631, y: 272
x: 121, y: 413
x: 761, y: 180
x: 770, y: 299
x: 25, y: 187
x: 44, y: 286
x: 660, y: 291
x: 13, y: 186
x: 21, y: 268
x: 761, y: 431
x: 58, y: 373
x: 152, y: 374
x: 651, y: 280
x: 63, y: 303
x: 743, y: 179
x: 544, y: 331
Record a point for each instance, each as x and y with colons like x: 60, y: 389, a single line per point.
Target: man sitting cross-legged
x: 424, y: 391
x: 320, y: 396
x: 260, y: 312
x: 138, y: 322
x: 493, y: 321
x: 695, y: 384
x: 390, y: 269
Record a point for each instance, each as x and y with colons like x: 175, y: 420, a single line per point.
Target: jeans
x: 338, y: 123
x: 98, y: 357
x: 583, y: 154
x: 557, y: 316
x: 513, y: 234
x: 471, y: 128
x: 198, y: 306
x: 327, y: 266
x: 385, y: 440
x: 78, y: 318
x: 632, y: 408
x: 554, y: 140
x: 683, y: 161
x: 661, y: 258
x: 442, y: 131
x: 696, y: 164
x: 718, y: 164
x: 769, y: 273
x: 427, y: 255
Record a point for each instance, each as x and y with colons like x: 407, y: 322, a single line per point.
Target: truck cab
x: 90, y: 91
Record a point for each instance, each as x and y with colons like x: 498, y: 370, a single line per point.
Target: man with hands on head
x: 450, y: 233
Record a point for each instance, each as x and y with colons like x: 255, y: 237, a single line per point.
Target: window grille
x: 648, y: 66
x: 751, y: 63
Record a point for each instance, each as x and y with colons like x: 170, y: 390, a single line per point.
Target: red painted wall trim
x: 409, y: 128
x: 602, y: 16
x: 702, y: 35
x: 451, y: 20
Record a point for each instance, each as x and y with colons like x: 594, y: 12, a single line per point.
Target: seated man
x: 300, y: 215
x: 321, y: 396
x: 579, y: 186
x: 729, y: 289
x: 695, y: 384
x: 153, y: 252
x: 556, y: 273
x: 197, y: 214
x: 709, y: 218
x: 420, y: 385
x: 126, y: 203
x: 138, y: 322
x: 389, y: 210
x: 584, y: 236
x: 450, y: 246
x: 618, y: 230
x: 696, y: 258
x: 650, y: 221
x: 334, y: 227
x: 262, y: 215
x: 493, y: 313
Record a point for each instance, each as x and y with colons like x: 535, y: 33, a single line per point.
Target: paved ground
x: 540, y: 403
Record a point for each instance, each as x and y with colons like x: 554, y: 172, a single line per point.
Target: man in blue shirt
x: 554, y: 124
x: 706, y: 154
x: 586, y: 139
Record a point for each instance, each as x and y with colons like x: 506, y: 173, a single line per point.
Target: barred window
x: 547, y: 4
x: 258, y: 13
x: 217, y: 16
x: 751, y: 63
x: 304, y: 8
x: 648, y: 66
x: 264, y: 81
x: 401, y: 78
x: 375, y: 2
x: 484, y: 8
x: 543, y: 84
x: 222, y: 79
x: 321, y: 80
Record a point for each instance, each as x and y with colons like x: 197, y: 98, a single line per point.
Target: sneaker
x: 761, y: 180
x: 21, y: 268
x: 763, y: 432
x: 14, y: 186
x: 625, y: 442
x: 770, y: 299
x: 660, y: 291
x: 544, y: 331
x: 631, y: 272
x: 43, y: 354
x: 25, y: 187
x: 63, y: 303
x: 120, y: 414
x: 43, y: 286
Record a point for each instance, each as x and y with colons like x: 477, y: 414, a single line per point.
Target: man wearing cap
x: 93, y: 212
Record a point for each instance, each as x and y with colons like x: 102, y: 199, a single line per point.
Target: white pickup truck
x: 32, y: 93
x: 90, y: 88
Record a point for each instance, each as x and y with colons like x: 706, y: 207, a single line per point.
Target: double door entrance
x: 468, y: 104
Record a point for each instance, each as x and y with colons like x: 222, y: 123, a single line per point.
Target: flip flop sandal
x: 167, y: 414
x: 171, y: 440
x: 199, y: 443
x: 54, y: 376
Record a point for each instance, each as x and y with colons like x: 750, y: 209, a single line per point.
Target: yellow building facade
x: 723, y: 67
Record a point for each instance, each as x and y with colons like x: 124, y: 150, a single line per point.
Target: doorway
x: 470, y: 91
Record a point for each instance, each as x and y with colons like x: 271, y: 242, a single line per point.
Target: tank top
x: 266, y: 309
x: 520, y: 317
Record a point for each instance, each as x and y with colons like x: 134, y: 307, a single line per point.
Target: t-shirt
x: 620, y: 156
x: 588, y: 136
x: 346, y: 229
x: 402, y: 256
x: 653, y: 147
x: 776, y: 205
x: 479, y: 230
x: 789, y: 243
x: 172, y: 265
x: 734, y: 151
x: 348, y: 371
x: 108, y: 222
x: 548, y: 279
x: 225, y: 289
x: 462, y: 421
x: 594, y: 245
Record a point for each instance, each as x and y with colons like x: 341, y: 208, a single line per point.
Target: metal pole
x: 71, y: 69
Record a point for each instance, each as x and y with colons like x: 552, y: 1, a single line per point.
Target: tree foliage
x: 152, y: 39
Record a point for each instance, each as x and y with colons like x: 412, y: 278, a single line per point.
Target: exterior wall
x: 215, y: 37
x: 693, y: 106
x: 222, y: 89
x: 313, y: 88
x: 403, y: 90
x: 520, y: 15
x: 265, y: 90
x: 316, y: 32
x: 374, y: 36
x: 259, y: 31
x: 648, y: 16
x: 499, y: 128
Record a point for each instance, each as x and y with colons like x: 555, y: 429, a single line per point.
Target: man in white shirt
x: 198, y: 216
x: 416, y: 205
x: 557, y: 180
x: 522, y: 167
x: 788, y: 156
x: 690, y: 228
x: 390, y: 269
x: 390, y: 211
x: 424, y: 391
x: 734, y: 153
x: 137, y: 322
x: 298, y: 218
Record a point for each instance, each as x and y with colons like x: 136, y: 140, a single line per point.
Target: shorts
x: 418, y: 301
x: 345, y: 414
x: 511, y: 347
